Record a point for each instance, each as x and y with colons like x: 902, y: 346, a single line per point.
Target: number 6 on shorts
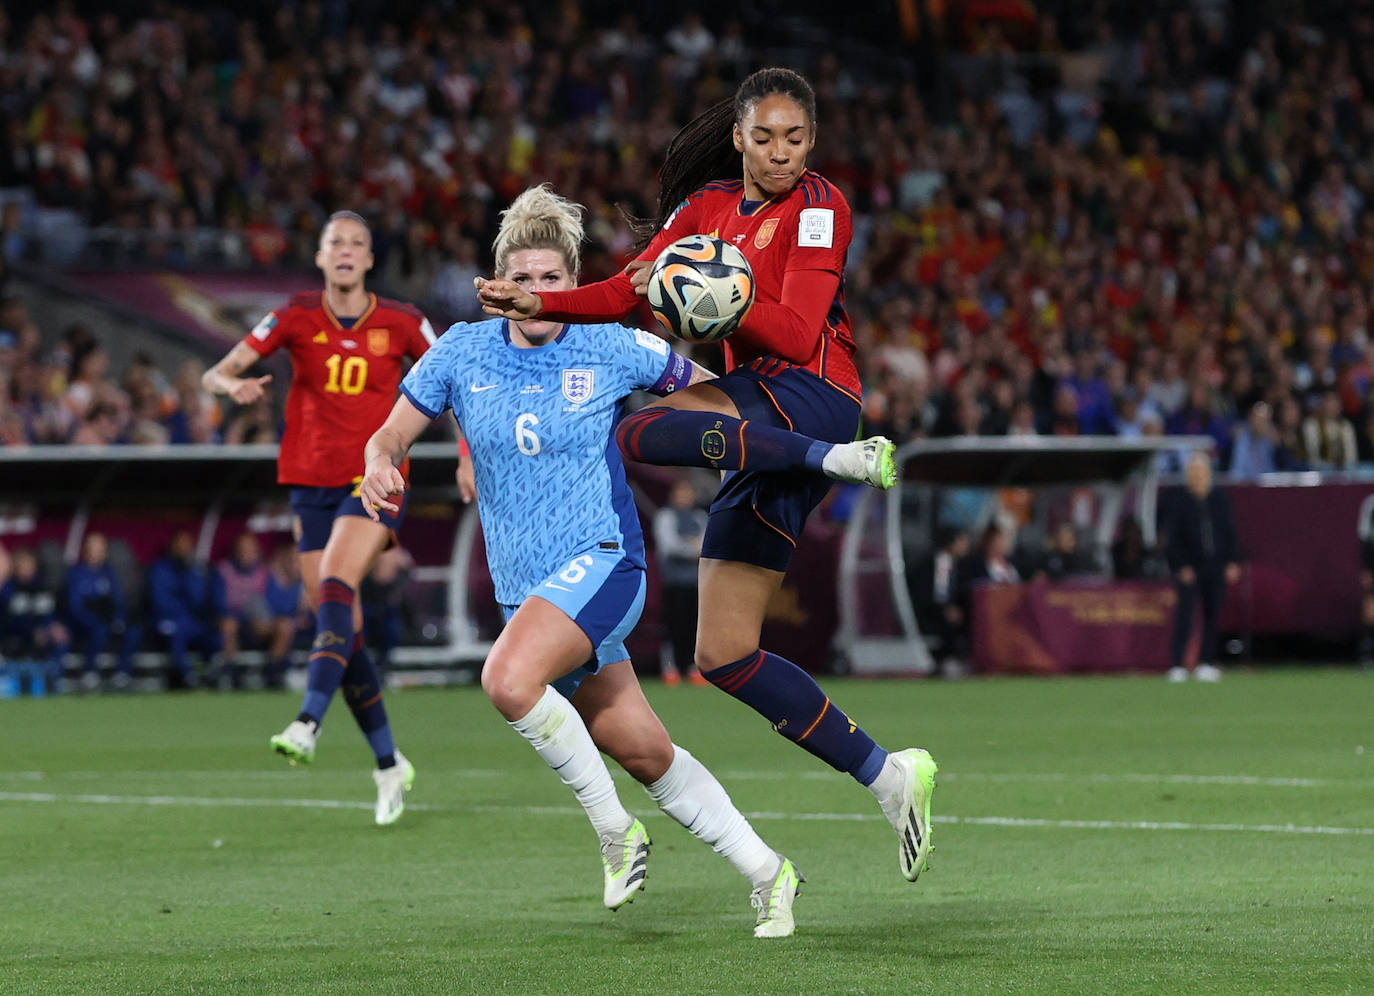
x: 577, y: 570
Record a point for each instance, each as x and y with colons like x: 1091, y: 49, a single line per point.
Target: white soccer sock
x: 691, y: 795
x: 557, y: 732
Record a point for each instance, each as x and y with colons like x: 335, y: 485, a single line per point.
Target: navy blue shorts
x: 317, y: 508
x: 757, y: 517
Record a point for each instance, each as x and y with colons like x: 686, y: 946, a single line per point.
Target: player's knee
x: 628, y: 430
x: 340, y: 568
x: 512, y: 693
x: 647, y: 761
x: 712, y: 655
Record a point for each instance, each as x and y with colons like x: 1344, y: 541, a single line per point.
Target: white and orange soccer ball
x: 700, y: 288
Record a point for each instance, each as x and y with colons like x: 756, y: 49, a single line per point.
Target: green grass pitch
x: 1092, y: 835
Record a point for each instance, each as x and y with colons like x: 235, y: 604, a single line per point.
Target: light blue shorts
x: 603, y: 593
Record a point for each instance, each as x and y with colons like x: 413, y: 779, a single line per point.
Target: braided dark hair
x: 704, y: 150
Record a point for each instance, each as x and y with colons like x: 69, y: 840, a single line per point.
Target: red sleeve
x: 610, y: 300
x: 271, y: 333
x: 607, y: 300
x: 791, y: 328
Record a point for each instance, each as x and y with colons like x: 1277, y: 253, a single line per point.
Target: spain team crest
x: 765, y: 233
x: 578, y: 386
x: 378, y: 341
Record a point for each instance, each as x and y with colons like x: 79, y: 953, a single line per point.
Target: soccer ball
x: 700, y: 288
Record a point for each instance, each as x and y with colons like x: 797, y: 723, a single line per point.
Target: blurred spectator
x: 452, y: 288
x: 1289, y: 448
x: 1200, y: 542
x: 1132, y: 559
x: 31, y: 639
x: 990, y: 561
x: 940, y: 594
x: 678, y: 530
x: 692, y: 42
x: 249, y: 618
x: 98, y: 614
x: 197, y: 415
x: 1328, y: 437
x: 1253, y: 452
x: 1197, y: 417
x: 100, y: 427
x: 254, y: 424
x: 185, y: 604
x: 1064, y: 558
x: 286, y: 602
x: 86, y: 382
x: 1096, y: 416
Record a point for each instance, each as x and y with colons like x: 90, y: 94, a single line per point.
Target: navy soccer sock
x: 791, y: 700
x: 677, y: 438
x: 329, y: 654
x: 362, y: 690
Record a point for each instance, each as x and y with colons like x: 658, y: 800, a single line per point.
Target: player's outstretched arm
x: 506, y: 299
x: 225, y: 376
x: 385, y: 452
x: 699, y: 373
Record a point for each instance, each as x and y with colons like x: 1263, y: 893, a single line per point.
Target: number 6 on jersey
x: 526, y: 439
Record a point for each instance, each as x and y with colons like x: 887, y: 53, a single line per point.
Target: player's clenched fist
x: 380, y: 482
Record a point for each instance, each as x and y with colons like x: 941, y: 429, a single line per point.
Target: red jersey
x: 343, y: 381
x: 786, y: 239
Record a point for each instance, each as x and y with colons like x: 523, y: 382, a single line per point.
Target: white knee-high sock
x: 691, y: 795
x: 557, y: 732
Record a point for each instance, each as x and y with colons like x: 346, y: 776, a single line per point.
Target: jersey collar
x: 357, y: 322
x: 505, y: 334
x: 746, y: 208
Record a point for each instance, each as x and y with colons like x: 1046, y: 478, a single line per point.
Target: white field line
x: 1086, y: 778
x: 746, y: 775
x: 992, y: 821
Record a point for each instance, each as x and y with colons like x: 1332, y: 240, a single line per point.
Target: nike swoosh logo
x: 486, y: 387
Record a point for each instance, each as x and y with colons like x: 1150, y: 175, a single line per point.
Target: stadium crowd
x: 90, y: 618
x: 1083, y: 223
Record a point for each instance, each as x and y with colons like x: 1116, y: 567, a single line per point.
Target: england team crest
x: 378, y: 341
x: 578, y: 386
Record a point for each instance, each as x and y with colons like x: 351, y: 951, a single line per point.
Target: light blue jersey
x: 539, y: 424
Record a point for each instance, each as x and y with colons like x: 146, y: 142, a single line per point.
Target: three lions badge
x: 578, y: 386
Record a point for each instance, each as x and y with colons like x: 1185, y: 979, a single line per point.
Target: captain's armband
x: 676, y: 376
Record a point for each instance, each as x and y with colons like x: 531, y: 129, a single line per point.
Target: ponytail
x: 704, y: 150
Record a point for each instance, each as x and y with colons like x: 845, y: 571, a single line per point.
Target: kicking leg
x: 734, y: 597
x: 701, y: 427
